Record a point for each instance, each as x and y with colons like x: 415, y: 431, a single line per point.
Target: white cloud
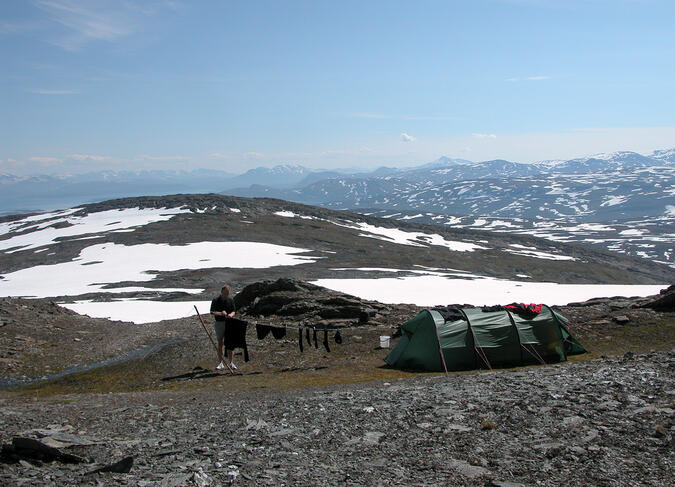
x: 88, y: 22
x: 90, y: 158
x: 254, y: 155
x: 407, y: 138
x: 148, y: 157
x: 484, y: 136
x: 44, y: 160
x: 98, y: 20
x: 218, y: 155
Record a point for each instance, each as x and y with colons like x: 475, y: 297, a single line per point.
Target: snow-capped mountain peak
x: 666, y: 155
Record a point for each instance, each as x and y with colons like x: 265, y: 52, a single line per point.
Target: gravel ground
x: 603, y: 422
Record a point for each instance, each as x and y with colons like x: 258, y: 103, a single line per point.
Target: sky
x: 232, y: 85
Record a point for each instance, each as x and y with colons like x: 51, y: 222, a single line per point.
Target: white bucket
x: 384, y: 341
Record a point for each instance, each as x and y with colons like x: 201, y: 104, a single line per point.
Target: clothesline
x: 311, y: 327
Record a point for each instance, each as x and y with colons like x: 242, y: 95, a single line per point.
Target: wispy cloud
x: 18, y: 27
x: 45, y: 160
x: 40, y: 91
x: 218, y: 155
x: 407, y: 138
x: 91, y: 21
x: 528, y: 78
x: 484, y: 136
x: 90, y: 158
x: 254, y: 155
x: 148, y: 157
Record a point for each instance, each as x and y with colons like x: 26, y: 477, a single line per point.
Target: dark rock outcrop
x: 665, y: 301
x: 302, y: 300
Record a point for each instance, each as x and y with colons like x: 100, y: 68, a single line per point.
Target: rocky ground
x: 335, y: 417
x: 604, y: 422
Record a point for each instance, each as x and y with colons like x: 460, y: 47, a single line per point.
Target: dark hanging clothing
x: 521, y: 309
x: 220, y: 304
x: 262, y: 330
x: 490, y: 309
x: 450, y: 314
x: 524, y: 310
x: 278, y: 333
x: 300, y: 339
x: 307, y: 337
x: 325, y: 340
x: 235, y: 335
x: 316, y: 342
x: 338, y: 337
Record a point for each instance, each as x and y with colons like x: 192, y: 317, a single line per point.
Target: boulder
x: 664, y: 301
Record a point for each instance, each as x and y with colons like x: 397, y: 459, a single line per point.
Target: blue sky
x: 90, y: 85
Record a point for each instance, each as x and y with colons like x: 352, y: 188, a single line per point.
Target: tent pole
x: 479, y: 350
x: 535, y: 354
x: 440, y: 348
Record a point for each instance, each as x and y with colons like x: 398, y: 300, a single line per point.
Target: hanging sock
x: 262, y: 331
x: 309, y: 340
x: 278, y: 333
x: 316, y: 342
x: 325, y: 341
x: 338, y: 337
x: 300, y: 339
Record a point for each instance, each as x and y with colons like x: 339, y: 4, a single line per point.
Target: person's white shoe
x: 220, y: 366
x: 232, y: 366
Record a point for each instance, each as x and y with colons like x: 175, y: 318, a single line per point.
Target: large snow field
x: 139, y: 312
x: 433, y: 290
x: 109, y: 263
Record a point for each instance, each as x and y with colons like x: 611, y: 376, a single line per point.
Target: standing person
x: 222, y: 307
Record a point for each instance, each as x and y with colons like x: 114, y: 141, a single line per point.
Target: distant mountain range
x: 340, y: 188
x: 621, y: 201
x: 602, y: 188
x: 630, y: 191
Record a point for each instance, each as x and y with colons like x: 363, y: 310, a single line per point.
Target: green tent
x: 482, y: 339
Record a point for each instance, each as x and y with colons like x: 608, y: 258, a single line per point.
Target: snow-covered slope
x: 186, y: 245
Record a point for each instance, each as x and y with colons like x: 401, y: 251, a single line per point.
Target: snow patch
x: 126, y: 219
x: 138, y: 311
x: 432, y: 290
x: 414, y: 239
x: 106, y: 264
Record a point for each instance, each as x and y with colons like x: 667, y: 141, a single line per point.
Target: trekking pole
x: 212, y: 342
